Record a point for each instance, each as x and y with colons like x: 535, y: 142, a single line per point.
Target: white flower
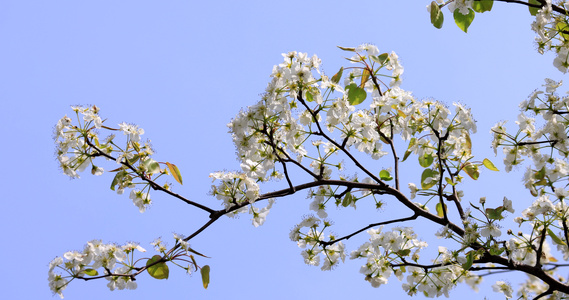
x: 503, y: 287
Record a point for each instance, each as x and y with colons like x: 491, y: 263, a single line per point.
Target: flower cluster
x: 116, y: 261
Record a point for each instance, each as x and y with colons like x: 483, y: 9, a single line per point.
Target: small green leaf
x: 563, y: 29
x: 469, y: 260
x: 440, y: 211
x: 356, y: 95
x: 91, y: 272
x: 309, y: 96
x: 495, y: 250
x: 381, y: 59
x: 348, y: 198
x: 426, y: 160
x: 403, y: 252
x: 347, y: 48
x: 468, y: 143
x: 539, y: 175
x: 175, y: 172
x: 463, y: 21
x: 134, y: 159
x: 412, y: 142
x: 159, y: 270
x: 437, y: 17
x: 555, y: 238
x: 337, y: 76
x: 482, y: 5
x: 384, y: 175
x: 489, y: 165
x: 428, y: 173
x: 449, y: 181
x: 495, y: 213
x: 151, y: 166
x: 472, y: 170
x: 118, y: 178
x: 205, y: 276
x: 533, y: 10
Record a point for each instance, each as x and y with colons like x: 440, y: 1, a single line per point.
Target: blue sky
x: 181, y: 70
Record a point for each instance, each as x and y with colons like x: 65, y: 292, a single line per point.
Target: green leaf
x: 555, y: 238
x: 482, y: 5
x: 449, y: 181
x: 347, y: 48
x: 91, y: 272
x: 337, y: 76
x: 356, y: 95
x: 205, y: 276
x: 563, y: 29
x: 463, y: 21
x: 412, y: 142
x: 468, y: 143
x: 380, y: 59
x: 437, y: 17
x: 439, y: 208
x: 309, y: 96
x: 159, y: 270
x: 469, y: 260
x: 348, y: 198
x: 403, y: 252
x: 489, y: 165
x: 533, y: 10
x: 495, y: 250
x: 472, y: 170
x: 175, y: 172
x: 426, y: 174
x: 426, y: 160
x: 495, y: 213
x: 118, y: 178
x: 384, y: 175
x: 151, y: 166
x: 134, y: 159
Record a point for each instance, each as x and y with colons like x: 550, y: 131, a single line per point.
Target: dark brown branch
x: 325, y: 244
x: 153, y: 184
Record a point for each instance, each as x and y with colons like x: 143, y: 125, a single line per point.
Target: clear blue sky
x: 181, y: 70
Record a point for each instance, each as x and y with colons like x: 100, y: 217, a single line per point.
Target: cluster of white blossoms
x: 78, y: 145
x: 553, y: 33
x: 541, y: 138
x: 111, y: 258
x: 311, y: 241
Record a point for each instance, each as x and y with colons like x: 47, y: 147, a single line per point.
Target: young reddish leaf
x: 175, y: 172
x: 365, y: 77
x: 205, y: 276
x: 337, y: 76
x: 347, y: 48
